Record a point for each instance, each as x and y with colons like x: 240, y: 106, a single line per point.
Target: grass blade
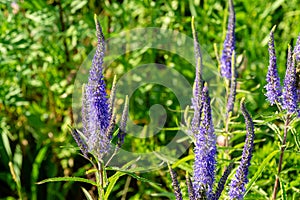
x: 283, y: 192
x: 74, y: 179
x: 260, y: 170
x: 87, y: 194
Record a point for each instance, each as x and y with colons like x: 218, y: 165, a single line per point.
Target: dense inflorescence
x: 297, y: 50
x: 205, y: 151
x: 199, y: 67
x: 222, y: 182
x: 288, y: 96
x: 237, y: 184
x: 273, y: 81
x: 297, y: 58
x: 175, y: 184
x: 98, y: 117
x: 190, y: 188
x: 290, y: 88
x: 122, y: 128
x: 233, y: 85
x: 229, y: 44
x: 97, y: 113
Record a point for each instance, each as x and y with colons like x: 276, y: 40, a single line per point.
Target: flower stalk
x: 282, y: 149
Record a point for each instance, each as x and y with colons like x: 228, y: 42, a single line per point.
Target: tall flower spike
x: 80, y: 142
x: 199, y: 66
x: 122, y: 129
x: 97, y: 102
x: 273, y: 81
x: 176, y: 187
x: 198, y: 83
x: 297, y: 50
x: 233, y: 84
x: 205, y: 151
x: 84, y: 113
x: 110, y: 129
x: 229, y: 43
x: 112, y: 95
x: 222, y: 182
x: 190, y: 187
x: 290, y: 88
x: 237, y: 184
x: 297, y: 58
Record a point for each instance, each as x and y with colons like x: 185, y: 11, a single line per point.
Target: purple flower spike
x: 273, y: 81
x: 199, y: 67
x: 198, y: 83
x: 122, y: 130
x: 229, y: 44
x: 297, y: 58
x: 237, y: 184
x: 205, y: 151
x: 95, y: 107
x: 290, y: 89
x: 222, y: 182
x: 233, y: 85
x: 297, y: 50
x: 175, y: 184
x: 190, y: 187
x: 96, y: 88
x: 80, y: 142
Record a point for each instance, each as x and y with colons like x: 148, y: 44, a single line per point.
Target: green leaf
x: 5, y: 150
x: 75, y: 179
x: 130, y: 173
x: 283, y: 193
x: 87, y: 194
x: 76, y: 5
x: 182, y: 163
x: 260, y: 170
x: 36, y: 169
x: 112, y: 181
x: 169, y: 195
x: 170, y: 159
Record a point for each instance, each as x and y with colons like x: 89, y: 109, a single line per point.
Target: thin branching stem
x: 283, y: 146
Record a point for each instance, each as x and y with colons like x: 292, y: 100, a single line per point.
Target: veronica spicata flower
x: 205, y: 151
x: 97, y: 113
x: 199, y: 67
x: 203, y: 131
x: 273, y: 81
x: 229, y: 44
x: 233, y: 84
x: 222, y: 182
x: 198, y: 83
x: 237, y: 184
x: 290, y: 88
x: 297, y: 58
x: 98, y: 119
x: 175, y: 184
x: 297, y: 50
x: 190, y: 187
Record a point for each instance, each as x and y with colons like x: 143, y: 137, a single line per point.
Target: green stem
x: 126, y: 188
x: 283, y: 146
x: 227, y: 118
x: 227, y: 131
x: 99, y: 179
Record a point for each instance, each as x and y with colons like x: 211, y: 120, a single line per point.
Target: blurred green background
x: 43, y: 44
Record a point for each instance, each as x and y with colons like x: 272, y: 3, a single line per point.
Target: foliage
x: 42, y: 45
